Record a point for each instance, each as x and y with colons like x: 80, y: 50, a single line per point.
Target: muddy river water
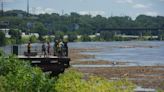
x: 135, y: 52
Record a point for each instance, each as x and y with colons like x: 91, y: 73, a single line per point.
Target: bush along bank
x: 18, y: 76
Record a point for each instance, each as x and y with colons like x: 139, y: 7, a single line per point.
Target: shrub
x: 21, y: 77
x: 18, y: 76
x: 3, y: 84
x: 73, y: 81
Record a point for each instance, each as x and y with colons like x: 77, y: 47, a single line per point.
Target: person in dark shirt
x: 43, y: 49
x: 56, y: 47
x: 65, y: 48
x: 48, y: 48
x: 29, y: 48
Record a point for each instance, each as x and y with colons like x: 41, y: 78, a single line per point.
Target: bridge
x: 133, y: 30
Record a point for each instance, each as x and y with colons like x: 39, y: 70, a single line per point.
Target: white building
x: 34, y: 34
x: 92, y: 36
x: 65, y: 36
x: 78, y: 36
x: 31, y: 34
x: 97, y: 34
x: 6, y: 32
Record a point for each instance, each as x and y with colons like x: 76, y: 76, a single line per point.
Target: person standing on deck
x: 43, y: 49
x: 56, y: 42
x: 65, y: 48
x: 29, y: 48
x: 60, y: 47
x: 48, y: 48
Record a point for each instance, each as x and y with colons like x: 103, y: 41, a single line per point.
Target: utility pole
x: 27, y: 7
x: 1, y: 7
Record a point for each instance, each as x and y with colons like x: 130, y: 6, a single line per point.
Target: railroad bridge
x: 133, y: 30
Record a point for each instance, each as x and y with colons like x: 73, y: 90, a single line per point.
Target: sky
x: 105, y: 8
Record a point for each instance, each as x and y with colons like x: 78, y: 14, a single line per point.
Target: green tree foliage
x: 146, y: 21
x: 76, y: 24
x: 85, y: 38
x: 1, y: 52
x: 33, y: 39
x: 40, y: 28
x: 86, y: 23
x: 2, y: 38
x: 19, y: 76
x: 73, y: 81
x: 15, y: 34
x: 25, y: 39
x: 3, y: 84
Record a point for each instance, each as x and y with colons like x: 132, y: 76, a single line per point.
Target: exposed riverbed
x: 140, y: 61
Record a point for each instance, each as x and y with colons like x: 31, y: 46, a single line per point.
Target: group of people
x: 60, y: 48
x: 46, y: 49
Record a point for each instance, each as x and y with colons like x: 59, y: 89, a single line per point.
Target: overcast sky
x: 103, y: 7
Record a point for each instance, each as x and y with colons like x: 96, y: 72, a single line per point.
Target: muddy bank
x: 75, y: 55
x: 150, y: 76
x: 146, y: 76
x: 137, y: 46
x: 77, y: 58
x: 99, y: 62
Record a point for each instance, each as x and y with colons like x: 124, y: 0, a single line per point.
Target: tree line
x: 75, y: 24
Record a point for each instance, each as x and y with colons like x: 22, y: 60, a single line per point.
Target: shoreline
x: 144, y: 76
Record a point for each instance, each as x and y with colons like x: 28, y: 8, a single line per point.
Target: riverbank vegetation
x: 77, y: 27
x: 18, y: 76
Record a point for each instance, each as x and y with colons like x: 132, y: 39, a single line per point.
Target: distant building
x: 97, y: 34
x: 6, y: 32
x: 65, y: 36
x: 79, y: 36
x: 34, y: 34
x: 52, y: 36
x: 31, y: 34
x: 92, y: 36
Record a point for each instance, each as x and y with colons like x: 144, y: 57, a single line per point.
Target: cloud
x: 40, y: 10
x: 134, y: 4
x: 125, y: 1
x: 7, y: 0
x: 151, y: 13
x: 93, y: 13
x: 140, y: 6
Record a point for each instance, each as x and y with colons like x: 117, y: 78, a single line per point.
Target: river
x: 141, y: 53
x: 136, y: 52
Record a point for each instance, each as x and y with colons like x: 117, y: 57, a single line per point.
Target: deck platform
x: 49, y: 63
x: 42, y: 58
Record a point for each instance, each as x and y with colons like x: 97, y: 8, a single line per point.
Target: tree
x: 85, y: 38
x: 2, y: 38
x: 16, y: 35
x: 33, y: 39
x: 40, y: 28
